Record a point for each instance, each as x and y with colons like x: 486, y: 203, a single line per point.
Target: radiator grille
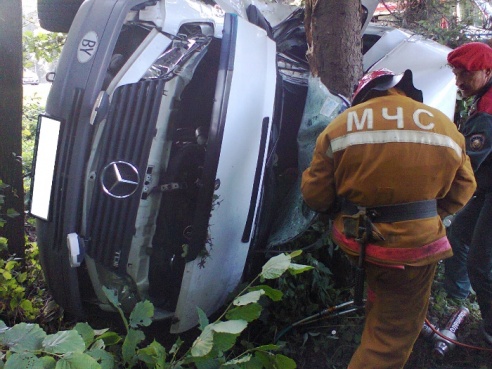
x: 127, y: 137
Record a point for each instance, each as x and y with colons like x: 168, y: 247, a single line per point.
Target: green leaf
x: 206, y: 363
x: 98, y: 332
x: 254, y: 363
x: 142, y: 314
x: 3, y: 328
x: 202, y: 319
x: 112, y: 296
x: 241, y: 360
x: 270, y: 347
x: 104, y: 358
x: 275, y: 267
x: 272, y: 293
x: 110, y: 338
x: 231, y: 326
x: 64, y: 342
x: 129, y: 348
x: 284, y: 362
x: 21, y: 277
x: 11, y: 264
x: 295, y: 253
x: 249, y: 312
x: 26, y: 305
x: 98, y: 345
x: 203, y: 343
x: 248, y: 298
x: 23, y: 337
x: 86, y: 332
x: 176, y: 346
x: 48, y: 362
x: 11, y: 213
x: 224, y: 341
x: 270, y: 361
x: 154, y: 354
x: 25, y: 360
x: 264, y: 358
x: 77, y: 360
x: 298, y: 268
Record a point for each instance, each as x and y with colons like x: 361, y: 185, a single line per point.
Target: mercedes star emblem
x: 120, y: 179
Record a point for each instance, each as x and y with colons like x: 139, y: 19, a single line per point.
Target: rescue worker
x: 402, y: 165
x: 471, y: 233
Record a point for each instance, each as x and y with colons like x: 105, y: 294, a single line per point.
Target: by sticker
x: 87, y: 47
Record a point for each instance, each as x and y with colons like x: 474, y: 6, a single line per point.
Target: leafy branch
x: 26, y: 345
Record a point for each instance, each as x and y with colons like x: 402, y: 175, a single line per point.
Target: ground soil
x: 323, y: 351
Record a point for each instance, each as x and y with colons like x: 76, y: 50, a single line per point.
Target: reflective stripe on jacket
x: 392, y: 150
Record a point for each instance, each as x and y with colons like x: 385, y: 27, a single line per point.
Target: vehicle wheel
x: 57, y: 15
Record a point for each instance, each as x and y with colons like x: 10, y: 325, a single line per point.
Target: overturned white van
x: 166, y: 130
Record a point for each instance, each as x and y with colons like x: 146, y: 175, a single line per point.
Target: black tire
x: 57, y: 15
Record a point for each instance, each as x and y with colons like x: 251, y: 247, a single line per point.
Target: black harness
x: 394, y: 213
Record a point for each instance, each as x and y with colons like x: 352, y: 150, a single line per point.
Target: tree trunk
x: 11, y: 122
x: 334, y: 43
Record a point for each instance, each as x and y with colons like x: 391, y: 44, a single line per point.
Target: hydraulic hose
x: 330, y: 311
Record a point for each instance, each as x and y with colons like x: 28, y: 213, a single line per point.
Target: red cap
x: 472, y: 57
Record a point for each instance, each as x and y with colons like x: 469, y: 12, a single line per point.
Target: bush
x: 29, y: 346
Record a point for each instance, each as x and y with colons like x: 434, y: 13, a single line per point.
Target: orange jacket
x: 392, y: 150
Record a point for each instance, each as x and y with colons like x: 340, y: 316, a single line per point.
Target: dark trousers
x: 470, y: 236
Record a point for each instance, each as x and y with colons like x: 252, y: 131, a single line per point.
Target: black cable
x: 330, y: 311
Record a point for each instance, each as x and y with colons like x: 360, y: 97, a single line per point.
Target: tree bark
x: 333, y: 33
x: 11, y: 122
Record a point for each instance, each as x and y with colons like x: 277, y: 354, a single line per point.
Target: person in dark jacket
x: 470, y: 233
x: 400, y: 166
